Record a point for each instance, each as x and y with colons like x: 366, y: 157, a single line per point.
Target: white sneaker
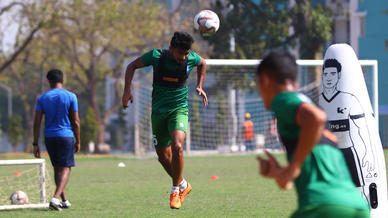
x: 66, y: 204
x: 55, y: 204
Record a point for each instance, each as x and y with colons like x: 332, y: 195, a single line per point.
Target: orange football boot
x: 182, y: 194
x: 175, y: 201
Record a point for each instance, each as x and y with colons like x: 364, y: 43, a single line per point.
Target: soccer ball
x: 207, y: 22
x: 19, y: 197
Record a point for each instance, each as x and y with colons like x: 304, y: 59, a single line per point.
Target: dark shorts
x: 163, y: 124
x: 61, y: 151
x: 353, y: 162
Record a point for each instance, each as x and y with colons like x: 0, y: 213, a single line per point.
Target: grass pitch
x: 98, y: 188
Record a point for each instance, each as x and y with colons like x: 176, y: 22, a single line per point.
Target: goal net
x: 231, y: 89
x: 29, y: 176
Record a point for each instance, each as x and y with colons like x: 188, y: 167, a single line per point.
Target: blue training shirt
x: 56, y: 104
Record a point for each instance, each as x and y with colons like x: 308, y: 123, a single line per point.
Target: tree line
x: 93, y: 40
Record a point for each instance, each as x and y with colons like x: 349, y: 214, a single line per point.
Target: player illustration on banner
x: 344, y: 97
x: 346, y: 118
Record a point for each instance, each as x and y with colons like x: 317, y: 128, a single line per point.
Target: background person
x: 61, y: 132
x: 249, y: 133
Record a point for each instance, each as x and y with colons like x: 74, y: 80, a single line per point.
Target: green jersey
x: 165, y: 99
x: 324, y: 178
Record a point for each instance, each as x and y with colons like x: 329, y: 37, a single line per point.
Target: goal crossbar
x: 22, y: 162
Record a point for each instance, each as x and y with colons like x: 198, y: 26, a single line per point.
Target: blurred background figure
x: 248, y: 133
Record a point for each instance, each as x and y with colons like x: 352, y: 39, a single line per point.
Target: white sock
x: 175, y: 189
x: 183, y: 185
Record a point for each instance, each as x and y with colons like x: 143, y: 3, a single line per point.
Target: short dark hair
x: 279, y: 65
x: 182, y: 40
x: 332, y: 63
x: 55, y: 76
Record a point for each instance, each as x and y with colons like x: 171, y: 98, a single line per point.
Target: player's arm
x: 311, y: 120
x: 36, y: 130
x: 201, y: 73
x: 75, y: 124
x: 129, y: 72
x: 362, y: 137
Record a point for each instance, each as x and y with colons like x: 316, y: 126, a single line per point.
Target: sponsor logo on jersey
x: 170, y: 79
x: 339, y: 125
x: 340, y: 110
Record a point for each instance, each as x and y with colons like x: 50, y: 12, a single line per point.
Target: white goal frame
x: 42, y: 180
x: 371, y: 77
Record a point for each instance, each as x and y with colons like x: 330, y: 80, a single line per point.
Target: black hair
x: 55, y: 76
x: 182, y: 40
x: 332, y: 63
x: 279, y: 65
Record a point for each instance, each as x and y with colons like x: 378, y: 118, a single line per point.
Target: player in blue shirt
x: 62, y: 133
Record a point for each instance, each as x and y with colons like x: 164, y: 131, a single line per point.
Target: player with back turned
x: 169, y: 116
x: 59, y: 107
x: 317, y: 167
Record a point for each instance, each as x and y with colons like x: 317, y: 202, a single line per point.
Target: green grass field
x: 98, y: 188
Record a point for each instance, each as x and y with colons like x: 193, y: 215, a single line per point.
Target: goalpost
x: 231, y: 89
x: 27, y: 175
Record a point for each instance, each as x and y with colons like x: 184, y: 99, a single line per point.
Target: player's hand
x: 268, y: 167
x: 286, y: 176
x: 203, y: 94
x: 127, y: 96
x: 77, y: 147
x: 368, y: 163
x: 263, y: 166
x: 36, y: 151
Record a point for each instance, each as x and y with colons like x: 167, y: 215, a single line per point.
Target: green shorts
x: 332, y: 211
x: 163, y: 124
